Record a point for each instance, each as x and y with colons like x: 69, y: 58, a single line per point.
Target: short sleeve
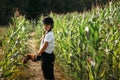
x: 48, y: 37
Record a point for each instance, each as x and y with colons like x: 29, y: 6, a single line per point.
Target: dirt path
x: 36, y: 66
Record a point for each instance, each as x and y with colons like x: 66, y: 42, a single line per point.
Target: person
x: 45, y: 53
x: 46, y: 49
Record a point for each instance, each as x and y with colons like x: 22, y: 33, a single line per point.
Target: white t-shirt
x: 49, y: 37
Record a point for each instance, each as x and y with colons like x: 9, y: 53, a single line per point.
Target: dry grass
x: 3, y: 30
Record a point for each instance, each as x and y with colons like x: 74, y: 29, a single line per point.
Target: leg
x: 48, y: 70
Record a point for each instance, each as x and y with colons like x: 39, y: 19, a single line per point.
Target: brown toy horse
x: 32, y: 57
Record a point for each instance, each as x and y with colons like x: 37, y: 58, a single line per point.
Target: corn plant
x: 14, y: 47
x: 87, y: 44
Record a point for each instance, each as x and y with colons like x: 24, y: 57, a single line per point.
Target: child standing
x: 46, y: 49
x: 45, y: 53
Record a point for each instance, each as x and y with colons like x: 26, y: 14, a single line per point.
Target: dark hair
x: 48, y: 21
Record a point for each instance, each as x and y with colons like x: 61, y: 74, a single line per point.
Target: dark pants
x: 47, y: 64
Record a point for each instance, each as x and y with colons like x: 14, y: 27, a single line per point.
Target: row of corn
x: 14, y: 45
x: 87, y: 44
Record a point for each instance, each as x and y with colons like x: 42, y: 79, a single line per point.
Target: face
x: 46, y: 27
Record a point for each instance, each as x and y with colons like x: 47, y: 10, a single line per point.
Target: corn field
x: 14, y: 48
x: 87, y: 44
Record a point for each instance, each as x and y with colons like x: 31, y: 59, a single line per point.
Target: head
x: 48, y: 24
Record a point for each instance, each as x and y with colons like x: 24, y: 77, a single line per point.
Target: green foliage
x: 14, y: 47
x: 87, y: 44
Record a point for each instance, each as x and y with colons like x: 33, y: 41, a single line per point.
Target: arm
x: 43, y: 48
